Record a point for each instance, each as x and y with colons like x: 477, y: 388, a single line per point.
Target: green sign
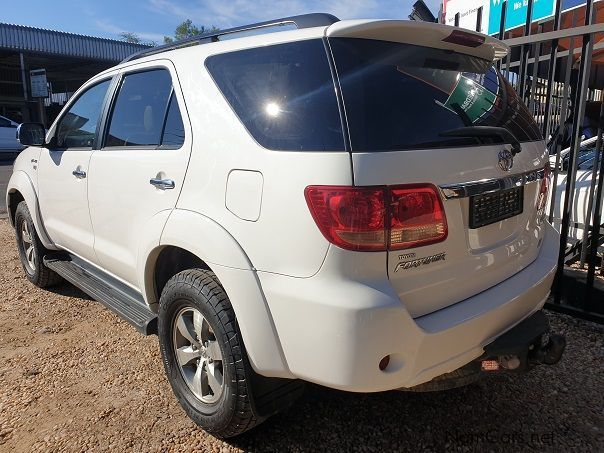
x: 472, y: 97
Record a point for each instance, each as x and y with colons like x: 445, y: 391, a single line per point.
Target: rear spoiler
x: 422, y: 34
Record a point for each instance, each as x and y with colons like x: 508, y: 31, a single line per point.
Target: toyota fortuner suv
x: 358, y: 204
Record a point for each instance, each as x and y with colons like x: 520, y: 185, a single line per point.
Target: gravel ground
x: 73, y: 377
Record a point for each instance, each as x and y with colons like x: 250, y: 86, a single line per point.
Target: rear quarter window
x: 284, y: 94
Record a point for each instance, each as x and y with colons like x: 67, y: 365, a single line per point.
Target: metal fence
x: 561, y: 87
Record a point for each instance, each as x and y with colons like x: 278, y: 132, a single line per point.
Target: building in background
x: 40, y: 69
x: 420, y: 11
x: 485, y: 15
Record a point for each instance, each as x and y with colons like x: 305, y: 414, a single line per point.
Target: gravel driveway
x: 74, y: 377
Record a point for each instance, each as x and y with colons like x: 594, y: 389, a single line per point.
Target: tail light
x: 417, y: 217
x: 378, y: 218
x: 543, y: 193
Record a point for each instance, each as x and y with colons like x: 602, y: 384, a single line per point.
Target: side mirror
x: 31, y: 134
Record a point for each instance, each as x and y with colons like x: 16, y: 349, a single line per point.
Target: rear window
x: 401, y: 96
x: 284, y: 95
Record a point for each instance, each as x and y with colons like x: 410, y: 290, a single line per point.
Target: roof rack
x: 301, y: 21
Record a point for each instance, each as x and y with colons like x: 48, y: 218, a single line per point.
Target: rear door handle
x: 80, y: 174
x: 163, y: 184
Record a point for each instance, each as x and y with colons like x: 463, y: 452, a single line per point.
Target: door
x: 140, y: 168
x: 63, y: 172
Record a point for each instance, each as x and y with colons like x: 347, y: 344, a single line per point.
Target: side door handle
x: 80, y: 174
x: 162, y: 184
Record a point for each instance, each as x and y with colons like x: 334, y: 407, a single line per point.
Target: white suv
x: 358, y: 204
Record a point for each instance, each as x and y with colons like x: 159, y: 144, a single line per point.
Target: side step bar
x: 116, y: 296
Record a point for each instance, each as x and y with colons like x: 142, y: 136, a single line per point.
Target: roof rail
x: 301, y: 21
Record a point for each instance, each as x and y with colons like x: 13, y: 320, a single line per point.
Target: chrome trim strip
x: 473, y: 188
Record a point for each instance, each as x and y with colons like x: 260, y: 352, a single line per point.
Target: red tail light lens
x: 378, y: 218
x: 350, y: 217
x: 417, y: 217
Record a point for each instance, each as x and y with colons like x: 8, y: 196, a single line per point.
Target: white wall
x: 467, y: 10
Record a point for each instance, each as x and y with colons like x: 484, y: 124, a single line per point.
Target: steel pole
x: 501, y: 35
x: 524, y: 50
x: 592, y: 188
x: 578, y: 114
x: 551, y: 73
x: 561, y: 127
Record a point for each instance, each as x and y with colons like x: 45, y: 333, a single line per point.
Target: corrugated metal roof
x: 30, y: 39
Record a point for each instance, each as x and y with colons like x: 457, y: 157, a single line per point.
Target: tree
x: 133, y: 38
x: 187, y: 29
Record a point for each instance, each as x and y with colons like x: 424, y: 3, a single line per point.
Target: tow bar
x: 527, y: 344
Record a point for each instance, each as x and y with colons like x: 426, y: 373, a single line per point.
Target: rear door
x: 140, y: 168
x: 399, y: 100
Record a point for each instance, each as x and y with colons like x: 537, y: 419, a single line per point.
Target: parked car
x: 586, y: 159
x: 357, y: 204
x: 585, y: 156
x: 8, y: 136
x: 589, y: 127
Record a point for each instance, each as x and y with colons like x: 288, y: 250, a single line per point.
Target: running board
x: 117, y: 297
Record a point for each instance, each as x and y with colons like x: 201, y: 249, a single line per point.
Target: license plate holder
x: 494, y: 207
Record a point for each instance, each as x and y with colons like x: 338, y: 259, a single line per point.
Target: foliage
x: 187, y: 29
x: 133, y: 38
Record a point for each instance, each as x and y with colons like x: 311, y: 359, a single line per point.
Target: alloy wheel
x: 198, y: 355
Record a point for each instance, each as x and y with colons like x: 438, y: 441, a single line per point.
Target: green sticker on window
x: 473, y: 98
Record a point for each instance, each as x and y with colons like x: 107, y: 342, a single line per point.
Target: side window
x: 173, y: 135
x: 143, y: 108
x: 78, y: 126
x: 284, y: 95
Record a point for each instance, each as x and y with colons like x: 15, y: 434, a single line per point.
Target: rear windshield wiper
x: 486, y: 131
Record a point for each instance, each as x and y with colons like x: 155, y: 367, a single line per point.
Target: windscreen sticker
x: 472, y: 96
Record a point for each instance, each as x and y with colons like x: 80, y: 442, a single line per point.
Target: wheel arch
x: 189, y: 240
x: 20, y: 188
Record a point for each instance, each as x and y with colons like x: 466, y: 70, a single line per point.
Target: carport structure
x: 69, y: 60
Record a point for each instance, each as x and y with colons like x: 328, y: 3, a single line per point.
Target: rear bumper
x: 335, y: 327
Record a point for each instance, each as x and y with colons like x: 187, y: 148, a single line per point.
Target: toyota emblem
x: 506, y: 160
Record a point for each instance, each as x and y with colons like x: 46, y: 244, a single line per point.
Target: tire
x: 189, y: 300
x: 31, y: 250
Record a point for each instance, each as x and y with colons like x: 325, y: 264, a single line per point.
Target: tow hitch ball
x: 546, y: 349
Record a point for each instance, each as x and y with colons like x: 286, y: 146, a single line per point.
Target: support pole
x: 562, y: 125
x: 524, y: 51
x: 501, y: 35
x: 551, y: 73
x: 592, y: 187
x: 578, y: 114
x: 25, y: 90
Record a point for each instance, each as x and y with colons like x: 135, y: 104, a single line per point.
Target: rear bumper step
x: 106, y: 290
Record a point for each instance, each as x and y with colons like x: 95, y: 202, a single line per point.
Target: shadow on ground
x: 551, y: 408
x: 67, y: 289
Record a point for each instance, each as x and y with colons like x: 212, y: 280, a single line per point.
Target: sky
x: 152, y: 19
